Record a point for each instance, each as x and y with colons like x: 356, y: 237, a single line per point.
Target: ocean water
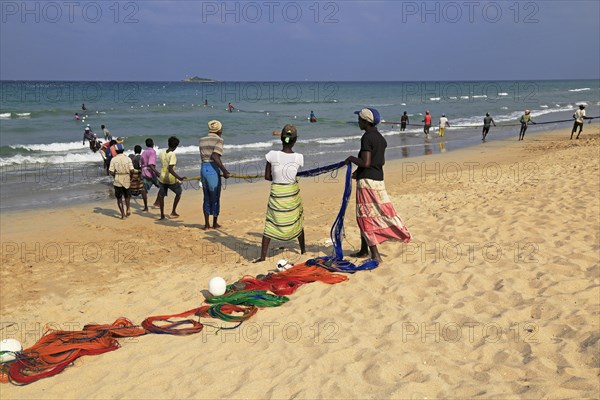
x: 43, y: 161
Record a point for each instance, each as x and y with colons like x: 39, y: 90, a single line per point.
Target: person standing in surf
x: 375, y: 213
x: 107, y: 135
x: 92, y: 138
x: 427, y: 121
x: 403, y: 122
x: 442, y: 125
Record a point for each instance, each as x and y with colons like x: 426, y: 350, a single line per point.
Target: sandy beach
x: 496, y: 296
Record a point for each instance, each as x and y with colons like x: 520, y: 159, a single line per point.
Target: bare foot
x: 128, y: 213
x: 161, y: 218
x: 145, y: 209
x: 174, y: 215
x: 217, y: 226
x: 359, y: 254
x: 206, y: 227
x: 258, y: 260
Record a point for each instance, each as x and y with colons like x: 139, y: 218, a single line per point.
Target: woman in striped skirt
x: 285, y: 218
x: 375, y: 213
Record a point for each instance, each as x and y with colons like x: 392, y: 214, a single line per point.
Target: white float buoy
x: 8, y: 348
x: 217, y: 286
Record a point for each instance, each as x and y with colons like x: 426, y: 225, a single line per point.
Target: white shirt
x: 579, y: 114
x: 443, y: 122
x: 284, y: 166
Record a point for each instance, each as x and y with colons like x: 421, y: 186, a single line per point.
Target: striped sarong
x: 137, y: 185
x: 285, y: 215
x: 376, y: 215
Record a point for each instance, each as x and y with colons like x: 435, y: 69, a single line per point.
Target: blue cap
x: 370, y: 115
x: 119, y: 147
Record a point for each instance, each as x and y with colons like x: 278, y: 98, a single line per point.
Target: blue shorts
x: 149, y: 182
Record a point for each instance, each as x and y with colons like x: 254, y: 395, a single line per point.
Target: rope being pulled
x: 311, y: 172
x: 498, y: 125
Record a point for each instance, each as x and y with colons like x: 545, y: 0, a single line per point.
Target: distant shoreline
x: 302, y: 81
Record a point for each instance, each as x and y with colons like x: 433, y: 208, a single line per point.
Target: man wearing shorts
x: 427, y: 121
x: 168, y: 179
x: 579, y: 117
x: 121, y: 168
x: 149, y: 171
x: 487, y: 121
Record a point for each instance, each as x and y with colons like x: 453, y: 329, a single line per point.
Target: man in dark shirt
x: 487, y: 121
x: 375, y: 214
x: 91, y: 137
x: 403, y: 121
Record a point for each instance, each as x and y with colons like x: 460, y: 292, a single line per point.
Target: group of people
x: 137, y: 174
x: 376, y: 217
x: 92, y: 137
x: 427, y: 122
x: 578, y: 116
x: 375, y: 214
x: 488, y: 121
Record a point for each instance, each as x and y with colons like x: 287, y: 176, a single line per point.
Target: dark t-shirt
x: 135, y: 159
x: 373, y: 142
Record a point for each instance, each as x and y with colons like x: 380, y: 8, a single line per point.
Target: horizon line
x: 301, y: 81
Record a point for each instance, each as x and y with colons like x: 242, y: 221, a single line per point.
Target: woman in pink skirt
x: 375, y: 214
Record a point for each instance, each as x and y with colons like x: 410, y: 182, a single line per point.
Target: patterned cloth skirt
x: 285, y: 215
x: 375, y: 214
x: 137, y: 184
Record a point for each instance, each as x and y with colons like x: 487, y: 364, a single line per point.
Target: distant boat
x: 197, y: 79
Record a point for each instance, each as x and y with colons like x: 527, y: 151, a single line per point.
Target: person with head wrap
x: 375, y: 213
x: 211, y: 150
x: 285, y: 214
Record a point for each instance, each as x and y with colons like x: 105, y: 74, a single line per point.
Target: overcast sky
x: 299, y: 40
